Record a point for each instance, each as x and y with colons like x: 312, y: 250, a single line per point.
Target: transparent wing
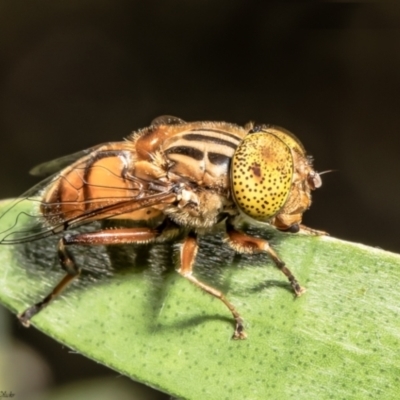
x: 49, y: 168
x: 23, y: 219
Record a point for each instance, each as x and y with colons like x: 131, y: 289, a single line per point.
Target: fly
x: 174, y: 179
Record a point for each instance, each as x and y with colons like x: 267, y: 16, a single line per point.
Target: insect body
x: 175, y: 178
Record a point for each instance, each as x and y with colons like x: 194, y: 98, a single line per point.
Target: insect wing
x: 22, y: 221
x: 51, y: 167
x: 70, y: 198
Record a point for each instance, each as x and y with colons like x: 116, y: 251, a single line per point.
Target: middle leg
x: 188, y: 255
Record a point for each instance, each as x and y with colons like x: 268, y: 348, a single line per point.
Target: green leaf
x: 133, y: 313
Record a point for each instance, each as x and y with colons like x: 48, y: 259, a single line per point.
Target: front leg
x: 243, y: 243
x: 311, y: 231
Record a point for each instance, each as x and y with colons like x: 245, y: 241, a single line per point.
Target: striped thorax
x: 196, y: 154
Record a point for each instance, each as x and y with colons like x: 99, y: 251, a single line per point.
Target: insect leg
x: 103, y: 237
x: 243, y: 243
x: 311, y: 231
x: 188, y: 255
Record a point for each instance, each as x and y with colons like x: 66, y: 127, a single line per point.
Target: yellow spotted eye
x: 288, y: 137
x: 261, y: 175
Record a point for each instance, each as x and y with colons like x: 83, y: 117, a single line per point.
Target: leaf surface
x: 133, y: 313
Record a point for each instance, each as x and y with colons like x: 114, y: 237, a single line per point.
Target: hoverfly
x: 174, y: 179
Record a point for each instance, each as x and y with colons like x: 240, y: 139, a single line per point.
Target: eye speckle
x: 259, y: 158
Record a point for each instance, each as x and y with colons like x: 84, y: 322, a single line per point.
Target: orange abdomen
x: 91, y: 186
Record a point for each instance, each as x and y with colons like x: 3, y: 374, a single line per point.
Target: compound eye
x: 314, y: 180
x: 261, y: 175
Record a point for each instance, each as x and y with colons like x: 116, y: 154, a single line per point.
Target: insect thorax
x: 197, y: 155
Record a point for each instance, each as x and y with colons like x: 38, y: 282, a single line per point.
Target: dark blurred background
x: 77, y: 73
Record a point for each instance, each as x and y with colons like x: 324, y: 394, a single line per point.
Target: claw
x: 300, y: 291
x: 239, y: 333
x: 24, y: 320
